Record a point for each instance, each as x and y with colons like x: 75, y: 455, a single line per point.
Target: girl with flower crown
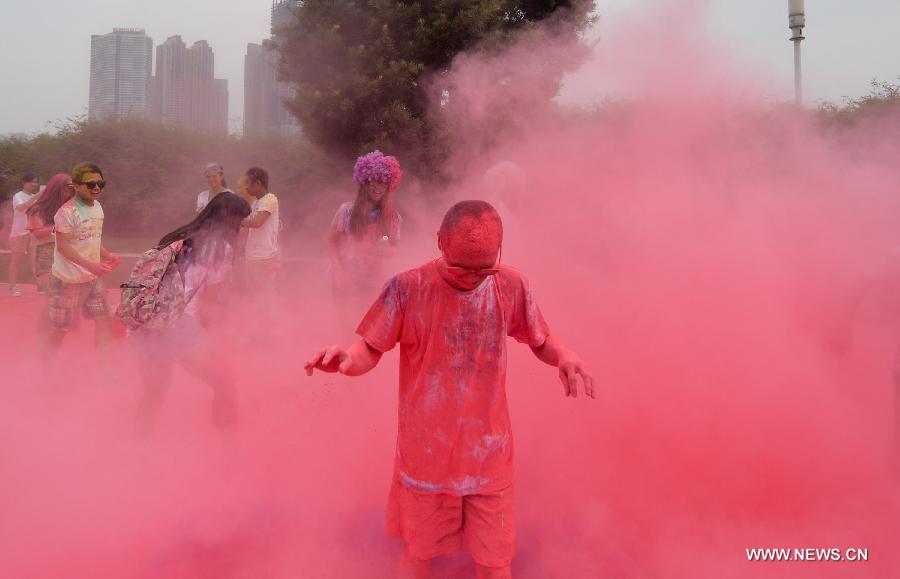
x: 363, y: 233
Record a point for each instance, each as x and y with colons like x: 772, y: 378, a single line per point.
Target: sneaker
x: 15, y: 291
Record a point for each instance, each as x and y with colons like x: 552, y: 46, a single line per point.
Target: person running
x: 203, y: 251
x: 453, y: 470
x: 262, y: 254
x: 80, y: 260
x: 363, y: 233
x: 40, y: 224
x: 19, y: 238
x: 215, y: 181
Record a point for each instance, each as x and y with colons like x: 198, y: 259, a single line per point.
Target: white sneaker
x: 15, y: 292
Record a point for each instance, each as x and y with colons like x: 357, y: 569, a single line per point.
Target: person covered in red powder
x: 453, y: 470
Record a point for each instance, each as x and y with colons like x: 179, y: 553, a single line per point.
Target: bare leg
x: 52, y: 339
x: 483, y: 572
x: 224, y: 409
x: 103, y: 333
x: 156, y: 375
x: 218, y: 375
x: 15, y: 258
x: 412, y: 568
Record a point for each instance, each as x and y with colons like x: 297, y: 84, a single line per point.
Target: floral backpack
x: 154, y: 295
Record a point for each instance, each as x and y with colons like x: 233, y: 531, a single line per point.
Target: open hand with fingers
x: 112, y: 261
x: 570, y: 367
x: 100, y: 269
x: 353, y: 361
x: 331, y: 359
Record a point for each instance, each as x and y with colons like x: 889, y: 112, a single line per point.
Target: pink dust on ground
x: 693, y: 245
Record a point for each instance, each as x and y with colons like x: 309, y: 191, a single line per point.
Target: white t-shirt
x: 84, y: 224
x: 202, y: 269
x: 20, y: 219
x: 203, y: 199
x: 262, y: 242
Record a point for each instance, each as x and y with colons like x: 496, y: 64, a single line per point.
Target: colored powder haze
x: 693, y: 244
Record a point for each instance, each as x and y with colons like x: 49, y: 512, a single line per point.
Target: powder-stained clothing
x: 19, y: 224
x: 67, y: 303
x: 84, y: 224
x: 262, y: 242
x: 210, y: 265
x: 360, y: 256
x: 439, y: 524
x: 43, y: 258
x: 454, y: 430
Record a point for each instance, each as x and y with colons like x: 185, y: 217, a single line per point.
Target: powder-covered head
x: 471, y: 234
x: 376, y: 166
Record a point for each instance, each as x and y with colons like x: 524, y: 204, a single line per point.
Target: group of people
x: 453, y: 477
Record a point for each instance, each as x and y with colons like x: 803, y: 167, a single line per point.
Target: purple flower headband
x: 376, y: 166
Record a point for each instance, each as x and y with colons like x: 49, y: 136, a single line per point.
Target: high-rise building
x: 167, y: 86
x: 121, y: 64
x: 264, y: 95
x: 282, y: 14
x: 219, y: 101
x: 260, y: 91
x: 185, y: 92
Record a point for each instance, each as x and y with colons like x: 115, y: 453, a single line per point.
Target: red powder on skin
x: 474, y: 242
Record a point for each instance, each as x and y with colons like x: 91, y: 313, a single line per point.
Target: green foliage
x: 154, y: 173
x: 358, y: 66
x: 884, y: 99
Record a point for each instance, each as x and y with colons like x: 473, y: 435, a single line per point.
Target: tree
x: 882, y: 100
x: 358, y: 66
x: 155, y: 172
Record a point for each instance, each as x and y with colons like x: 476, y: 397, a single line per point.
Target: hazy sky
x: 45, y: 55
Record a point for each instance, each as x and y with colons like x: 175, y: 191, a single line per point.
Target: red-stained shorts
x: 436, y: 524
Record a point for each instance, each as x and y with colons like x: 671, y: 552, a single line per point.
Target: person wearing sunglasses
x: 453, y: 481
x: 79, y: 259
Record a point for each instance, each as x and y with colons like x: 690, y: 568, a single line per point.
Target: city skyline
x: 845, y: 48
x: 184, y: 91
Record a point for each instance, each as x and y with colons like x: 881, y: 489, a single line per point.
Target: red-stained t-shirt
x: 454, y: 432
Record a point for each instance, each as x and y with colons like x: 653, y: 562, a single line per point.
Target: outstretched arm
x: 24, y: 205
x: 354, y: 361
x: 552, y: 352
